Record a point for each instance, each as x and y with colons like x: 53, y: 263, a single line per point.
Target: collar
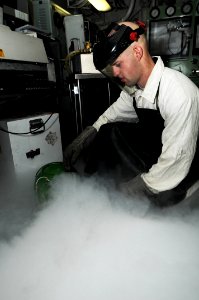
x: 151, y: 88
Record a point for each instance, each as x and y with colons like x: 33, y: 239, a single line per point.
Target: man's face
x: 126, y: 67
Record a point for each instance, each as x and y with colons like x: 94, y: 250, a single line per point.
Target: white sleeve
x: 120, y: 111
x: 179, y: 143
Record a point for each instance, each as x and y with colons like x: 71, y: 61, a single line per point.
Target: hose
x: 129, y: 11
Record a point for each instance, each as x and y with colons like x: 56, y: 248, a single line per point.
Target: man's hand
x: 74, y: 150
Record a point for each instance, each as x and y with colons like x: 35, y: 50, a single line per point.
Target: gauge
x: 197, y: 8
x: 170, y: 11
x: 155, y: 12
x: 187, y: 8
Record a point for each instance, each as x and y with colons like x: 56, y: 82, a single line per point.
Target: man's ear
x: 138, y: 51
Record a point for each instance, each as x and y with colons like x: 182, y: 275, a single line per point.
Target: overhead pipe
x: 129, y: 11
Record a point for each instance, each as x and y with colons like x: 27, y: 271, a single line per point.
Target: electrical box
x: 42, y: 15
x: 87, y: 65
x: 74, y: 30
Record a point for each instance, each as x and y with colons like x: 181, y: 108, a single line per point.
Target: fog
x: 87, y: 242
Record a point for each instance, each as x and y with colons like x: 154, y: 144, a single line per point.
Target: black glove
x: 136, y: 187
x: 74, y: 150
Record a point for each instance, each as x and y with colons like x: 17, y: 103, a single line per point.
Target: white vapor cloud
x: 88, y: 243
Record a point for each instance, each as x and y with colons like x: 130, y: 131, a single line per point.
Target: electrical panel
x: 174, y: 35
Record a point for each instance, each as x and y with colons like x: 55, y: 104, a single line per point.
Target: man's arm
x: 120, y: 111
x: 179, y: 142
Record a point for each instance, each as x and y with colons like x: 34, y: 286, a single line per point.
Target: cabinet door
x: 96, y: 95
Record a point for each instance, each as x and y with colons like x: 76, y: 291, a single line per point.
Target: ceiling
x: 120, y: 10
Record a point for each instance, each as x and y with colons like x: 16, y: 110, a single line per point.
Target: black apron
x: 123, y: 150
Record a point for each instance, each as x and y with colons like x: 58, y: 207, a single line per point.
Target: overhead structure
x: 100, y: 5
x: 60, y: 10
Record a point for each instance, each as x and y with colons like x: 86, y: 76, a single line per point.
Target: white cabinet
x: 24, y: 150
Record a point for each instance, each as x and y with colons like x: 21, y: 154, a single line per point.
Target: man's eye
x: 117, y: 64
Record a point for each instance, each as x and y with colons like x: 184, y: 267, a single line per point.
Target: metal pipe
x: 129, y: 11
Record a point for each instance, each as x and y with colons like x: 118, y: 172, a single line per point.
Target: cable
x: 28, y: 132
x: 78, y: 4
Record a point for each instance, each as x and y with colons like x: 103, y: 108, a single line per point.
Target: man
x: 147, y: 139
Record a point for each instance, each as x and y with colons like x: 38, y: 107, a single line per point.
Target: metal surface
x: 89, y: 76
x: 27, y: 85
x: 20, y: 47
